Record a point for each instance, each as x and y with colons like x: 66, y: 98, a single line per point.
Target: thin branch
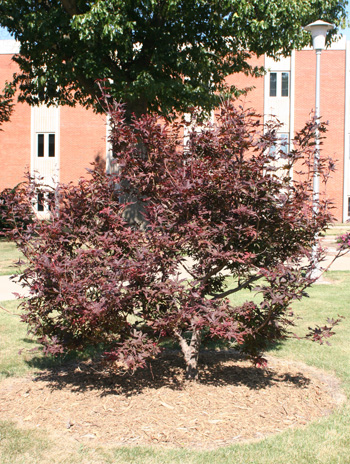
x: 237, y: 289
x: 212, y: 273
x: 339, y: 254
x: 267, y: 319
x: 187, y: 270
x: 207, y: 276
x: 10, y: 312
x: 271, y: 311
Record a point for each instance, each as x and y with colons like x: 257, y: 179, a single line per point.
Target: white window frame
x: 46, y: 137
x: 45, y: 212
x: 279, y: 75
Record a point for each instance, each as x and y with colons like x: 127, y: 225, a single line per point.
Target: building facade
x: 61, y: 143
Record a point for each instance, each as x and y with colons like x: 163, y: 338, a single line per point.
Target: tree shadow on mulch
x: 215, y: 368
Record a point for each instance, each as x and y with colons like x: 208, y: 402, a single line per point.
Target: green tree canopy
x: 160, y: 55
x: 6, y: 104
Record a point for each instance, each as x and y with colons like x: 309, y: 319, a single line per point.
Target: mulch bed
x: 232, y: 401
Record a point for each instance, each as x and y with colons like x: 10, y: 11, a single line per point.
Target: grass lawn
x: 9, y: 255
x: 338, y: 229
x: 326, y: 441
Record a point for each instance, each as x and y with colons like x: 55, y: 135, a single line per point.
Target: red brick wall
x: 82, y: 138
x: 254, y: 98
x: 14, y: 136
x: 83, y: 134
x: 332, y: 108
x: 82, y: 141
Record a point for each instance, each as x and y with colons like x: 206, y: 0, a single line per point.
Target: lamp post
x: 318, y: 31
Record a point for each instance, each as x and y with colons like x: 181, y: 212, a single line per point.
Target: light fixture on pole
x: 318, y: 31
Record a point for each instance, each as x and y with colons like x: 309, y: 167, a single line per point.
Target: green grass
x: 20, y: 354
x: 19, y: 446
x: 326, y: 441
x: 13, y: 338
x: 9, y: 255
x: 325, y: 300
x: 338, y: 229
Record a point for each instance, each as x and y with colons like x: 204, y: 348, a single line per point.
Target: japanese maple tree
x: 222, y: 214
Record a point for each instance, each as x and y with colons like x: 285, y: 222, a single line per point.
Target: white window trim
x: 279, y: 83
x: 46, y: 144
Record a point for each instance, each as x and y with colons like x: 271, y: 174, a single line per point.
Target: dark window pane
x: 285, y: 84
x: 51, y: 201
x: 40, y: 145
x: 273, y: 84
x: 51, y: 145
x: 40, y: 202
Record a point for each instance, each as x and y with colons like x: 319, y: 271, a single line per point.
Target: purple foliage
x: 221, y: 206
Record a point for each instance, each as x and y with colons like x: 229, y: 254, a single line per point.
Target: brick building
x: 61, y: 143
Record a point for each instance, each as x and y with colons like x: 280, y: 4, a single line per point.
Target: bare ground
x: 232, y: 401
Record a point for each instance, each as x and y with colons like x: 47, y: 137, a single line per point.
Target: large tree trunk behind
x: 135, y: 108
x: 134, y: 213
x: 191, y: 353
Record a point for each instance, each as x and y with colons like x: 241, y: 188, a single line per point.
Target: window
x: 46, y: 145
x: 279, y: 84
x: 281, y: 147
x: 284, y: 144
x: 51, y: 145
x: 40, y: 145
x: 45, y: 200
x: 50, y: 201
x: 285, y: 84
x: 348, y: 206
x: 273, y: 84
x: 40, y: 203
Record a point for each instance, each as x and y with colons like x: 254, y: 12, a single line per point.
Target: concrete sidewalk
x: 340, y: 264
x: 8, y: 287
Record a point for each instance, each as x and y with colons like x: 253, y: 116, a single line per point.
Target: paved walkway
x: 340, y: 264
x: 8, y: 287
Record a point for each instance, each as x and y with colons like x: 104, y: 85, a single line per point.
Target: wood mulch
x: 232, y: 401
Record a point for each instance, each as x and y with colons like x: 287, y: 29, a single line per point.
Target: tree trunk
x: 135, y: 108
x: 134, y: 213
x: 191, y: 353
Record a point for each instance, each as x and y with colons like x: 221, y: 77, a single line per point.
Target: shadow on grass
x: 216, y: 369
